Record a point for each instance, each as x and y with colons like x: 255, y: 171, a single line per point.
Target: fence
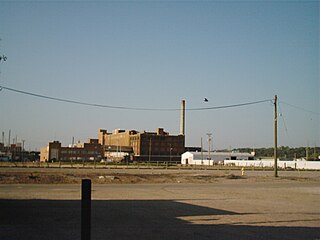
x: 228, y: 164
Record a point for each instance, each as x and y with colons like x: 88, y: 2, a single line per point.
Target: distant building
x: 193, y: 149
x: 204, y: 158
x: 144, y: 146
x: 91, y: 151
x: 16, y: 153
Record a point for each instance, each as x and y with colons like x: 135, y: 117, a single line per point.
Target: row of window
x: 157, y: 150
x: 78, y: 158
x: 79, y: 152
x: 158, y: 143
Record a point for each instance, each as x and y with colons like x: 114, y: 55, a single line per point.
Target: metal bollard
x: 86, y: 209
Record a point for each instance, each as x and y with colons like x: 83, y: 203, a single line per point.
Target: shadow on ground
x: 129, y: 219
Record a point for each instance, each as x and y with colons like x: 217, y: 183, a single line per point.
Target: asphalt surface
x: 229, y: 209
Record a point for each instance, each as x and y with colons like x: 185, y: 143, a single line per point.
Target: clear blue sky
x: 153, y: 54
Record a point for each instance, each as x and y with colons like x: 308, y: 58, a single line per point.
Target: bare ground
x: 124, y: 176
x: 165, y: 204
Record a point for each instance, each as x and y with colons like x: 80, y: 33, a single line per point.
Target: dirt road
x: 256, y: 207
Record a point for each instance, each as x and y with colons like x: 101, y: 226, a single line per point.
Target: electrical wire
x: 129, y: 108
x: 300, y: 108
x: 284, y: 122
x: 230, y: 106
x: 281, y: 115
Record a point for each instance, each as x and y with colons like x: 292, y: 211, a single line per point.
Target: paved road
x: 233, y: 209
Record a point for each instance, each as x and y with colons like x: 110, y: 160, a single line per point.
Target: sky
x: 153, y: 54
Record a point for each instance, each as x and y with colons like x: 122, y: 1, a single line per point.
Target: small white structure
x: 204, y: 158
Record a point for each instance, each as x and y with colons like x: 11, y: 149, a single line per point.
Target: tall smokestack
x: 9, y: 144
x: 182, y: 117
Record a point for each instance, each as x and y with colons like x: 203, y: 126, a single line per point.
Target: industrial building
x: 17, y: 153
x: 123, y: 145
x: 143, y: 146
x: 118, y: 146
x: 91, y: 151
x: 212, y: 158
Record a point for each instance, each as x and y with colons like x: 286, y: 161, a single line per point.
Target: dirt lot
x: 123, y: 176
x: 166, y: 204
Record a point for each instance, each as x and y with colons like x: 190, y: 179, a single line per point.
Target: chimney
x: 182, y: 118
x: 160, y: 131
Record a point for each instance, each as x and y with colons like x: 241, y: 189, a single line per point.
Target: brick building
x: 91, y: 151
x: 146, y: 146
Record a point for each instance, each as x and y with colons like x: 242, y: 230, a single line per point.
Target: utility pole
x: 209, y: 146
x: 275, y: 138
x: 201, y: 152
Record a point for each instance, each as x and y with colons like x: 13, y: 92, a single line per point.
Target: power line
x: 230, y: 106
x: 69, y: 101
x: 281, y: 115
x: 284, y: 122
x: 128, y: 108
x: 300, y: 108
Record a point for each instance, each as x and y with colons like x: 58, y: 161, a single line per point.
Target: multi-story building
x: 91, y: 151
x: 13, y: 152
x: 146, y: 146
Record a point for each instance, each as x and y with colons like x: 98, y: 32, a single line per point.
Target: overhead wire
x: 284, y: 122
x: 281, y: 115
x: 300, y: 108
x: 230, y: 106
x: 306, y: 111
x: 128, y: 108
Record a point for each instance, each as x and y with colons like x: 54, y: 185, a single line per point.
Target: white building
x: 294, y: 164
x: 203, y: 158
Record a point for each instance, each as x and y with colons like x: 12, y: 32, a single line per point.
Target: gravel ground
x: 225, y: 205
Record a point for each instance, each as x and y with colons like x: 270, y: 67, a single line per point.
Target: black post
x: 86, y: 209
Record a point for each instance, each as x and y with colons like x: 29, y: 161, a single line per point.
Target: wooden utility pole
x: 209, y: 146
x: 275, y: 138
x: 201, y: 152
